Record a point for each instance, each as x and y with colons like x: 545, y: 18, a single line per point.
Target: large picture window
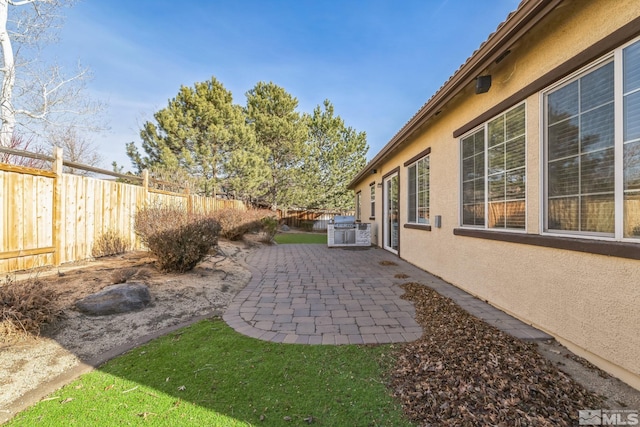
x: 418, y: 192
x: 493, y: 173
x: 593, y: 156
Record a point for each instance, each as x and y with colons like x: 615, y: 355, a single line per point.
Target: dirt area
x: 79, y: 342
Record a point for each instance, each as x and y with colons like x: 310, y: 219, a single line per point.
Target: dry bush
x: 236, y: 223
x: 181, y: 249
x: 178, y: 240
x: 25, y: 307
x: 123, y: 275
x: 110, y: 243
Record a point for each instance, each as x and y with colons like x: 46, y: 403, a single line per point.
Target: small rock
x: 116, y: 299
x: 285, y: 227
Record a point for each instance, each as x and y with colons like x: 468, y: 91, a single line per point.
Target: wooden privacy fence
x: 48, y: 218
x: 309, y: 219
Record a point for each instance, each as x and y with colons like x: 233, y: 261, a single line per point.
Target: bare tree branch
x: 76, y: 148
x: 38, y: 99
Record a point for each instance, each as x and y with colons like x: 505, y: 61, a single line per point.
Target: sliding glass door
x: 391, y: 224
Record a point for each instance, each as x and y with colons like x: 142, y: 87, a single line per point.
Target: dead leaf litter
x: 464, y: 372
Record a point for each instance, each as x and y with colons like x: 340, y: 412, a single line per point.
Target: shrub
x: 110, y: 243
x: 269, y: 227
x: 181, y: 249
x: 307, y: 225
x: 178, y: 240
x: 236, y: 223
x: 25, y: 307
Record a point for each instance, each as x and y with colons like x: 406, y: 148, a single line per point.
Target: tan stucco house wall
x: 581, y: 287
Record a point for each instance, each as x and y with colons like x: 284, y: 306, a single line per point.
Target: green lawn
x: 209, y: 375
x: 281, y: 238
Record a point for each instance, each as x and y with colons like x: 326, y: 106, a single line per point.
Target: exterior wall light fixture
x: 483, y: 84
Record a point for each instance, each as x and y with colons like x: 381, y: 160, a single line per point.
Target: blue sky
x: 378, y: 61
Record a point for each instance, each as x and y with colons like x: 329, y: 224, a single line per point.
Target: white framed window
x: 418, y: 192
x: 494, y: 173
x: 372, y: 190
x: 592, y: 149
x: 358, y: 206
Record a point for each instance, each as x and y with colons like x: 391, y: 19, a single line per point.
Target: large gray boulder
x: 114, y: 299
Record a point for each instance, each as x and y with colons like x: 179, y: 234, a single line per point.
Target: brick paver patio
x: 312, y: 294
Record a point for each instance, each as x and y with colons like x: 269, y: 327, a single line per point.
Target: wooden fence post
x: 58, y: 233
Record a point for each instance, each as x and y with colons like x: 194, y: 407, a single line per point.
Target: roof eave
x: 526, y: 16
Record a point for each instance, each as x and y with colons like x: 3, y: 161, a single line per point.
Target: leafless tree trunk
x: 9, y: 78
x: 37, y: 99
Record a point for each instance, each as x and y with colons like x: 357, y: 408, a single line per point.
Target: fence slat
x: 28, y: 213
x: 4, y: 206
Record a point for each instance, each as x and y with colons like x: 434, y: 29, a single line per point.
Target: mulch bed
x: 464, y: 372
